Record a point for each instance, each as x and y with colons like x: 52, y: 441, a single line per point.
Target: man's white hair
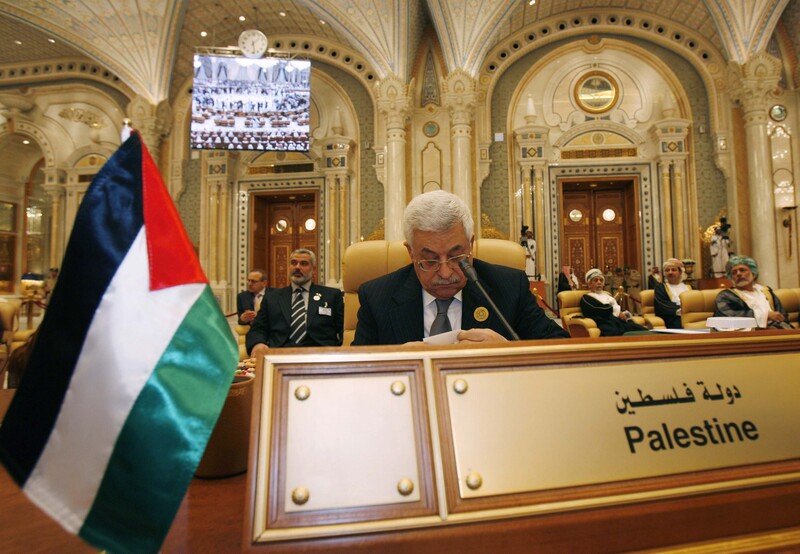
x: 436, y: 211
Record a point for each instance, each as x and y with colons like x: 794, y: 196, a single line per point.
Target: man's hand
x: 481, y: 335
x: 248, y: 316
x: 775, y: 316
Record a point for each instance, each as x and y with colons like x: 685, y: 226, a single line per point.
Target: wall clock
x: 596, y: 92
x: 253, y: 43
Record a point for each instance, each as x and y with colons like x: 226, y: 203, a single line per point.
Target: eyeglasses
x: 435, y: 265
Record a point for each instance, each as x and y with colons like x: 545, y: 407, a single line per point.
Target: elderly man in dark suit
x: 302, y: 314
x: 432, y: 295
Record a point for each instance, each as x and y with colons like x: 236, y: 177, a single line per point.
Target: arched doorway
x: 599, y: 224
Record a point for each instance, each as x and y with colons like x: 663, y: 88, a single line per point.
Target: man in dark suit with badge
x: 432, y: 295
x: 302, y: 314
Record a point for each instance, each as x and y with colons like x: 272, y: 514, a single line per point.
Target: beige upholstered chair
x: 241, y: 335
x: 569, y: 309
x: 790, y: 299
x: 697, y: 306
x: 371, y: 259
x: 649, y: 311
x: 13, y: 336
x: 7, y: 311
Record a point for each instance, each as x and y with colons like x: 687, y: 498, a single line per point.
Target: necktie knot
x: 442, y: 305
x: 441, y: 323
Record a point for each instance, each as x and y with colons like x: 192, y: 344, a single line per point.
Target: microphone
x: 472, y: 275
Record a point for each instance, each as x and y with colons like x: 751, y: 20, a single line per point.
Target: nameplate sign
x: 374, y: 440
x: 525, y: 430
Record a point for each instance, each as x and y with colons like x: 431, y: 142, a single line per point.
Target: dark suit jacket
x: 665, y: 308
x: 603, y: 315
x: 391, y: 309
x: 246, y: 300
x: 271, y: 325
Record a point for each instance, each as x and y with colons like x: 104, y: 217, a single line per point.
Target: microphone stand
x: 472, y: 275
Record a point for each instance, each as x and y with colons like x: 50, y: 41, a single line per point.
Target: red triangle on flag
x: 173, y: 260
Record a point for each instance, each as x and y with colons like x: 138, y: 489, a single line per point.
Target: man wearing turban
x: 601, y: 307
x: 750, y: 299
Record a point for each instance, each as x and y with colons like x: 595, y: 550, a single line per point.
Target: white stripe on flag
x: 131, y: 329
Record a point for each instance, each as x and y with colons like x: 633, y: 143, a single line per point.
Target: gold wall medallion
x: 431, y: 129
x: 596, y: 92
x: 480, y: 314
x: 777, y: 112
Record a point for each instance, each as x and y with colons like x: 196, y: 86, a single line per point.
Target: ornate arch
x: 592, y: 126
x: 704, y: 57
x: 84, y: 151
x: 36, y: 133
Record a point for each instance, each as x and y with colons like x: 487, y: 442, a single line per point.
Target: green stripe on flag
x: 165, y: 434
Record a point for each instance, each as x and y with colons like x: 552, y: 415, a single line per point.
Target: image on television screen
x: 250, y: 104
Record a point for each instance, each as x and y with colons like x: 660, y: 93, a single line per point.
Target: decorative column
x: 57, y: 230
x: 458, y: 97
x: 337, y: 152
x: 538, y: 213
x: 215, y: 223
x: 153, y: 123
x: 665, y: 179
x: 753, y: 86
x: 394, y: 105
x: 670, y: 136
x: 530, y: 142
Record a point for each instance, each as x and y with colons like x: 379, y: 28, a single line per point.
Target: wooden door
x: 282, y: 224
x: 609, y: 218
x: 597, y: 228
x: 578, y: 244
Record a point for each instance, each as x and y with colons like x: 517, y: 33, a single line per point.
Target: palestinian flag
x: 131, y: 367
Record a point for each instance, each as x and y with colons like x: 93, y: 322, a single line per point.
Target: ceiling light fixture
x: 531, y: 2
x: 51, y: 40
x: 26, y: 141
x: 18, y: 42
x: 282, y: 14
x: 321, y: 22
x: 203, y: 34
x: 242, y: 18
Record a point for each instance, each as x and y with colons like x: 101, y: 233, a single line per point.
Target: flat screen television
x: 250, y: 104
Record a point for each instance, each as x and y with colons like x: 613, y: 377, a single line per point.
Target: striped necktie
x: 297, y: 328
